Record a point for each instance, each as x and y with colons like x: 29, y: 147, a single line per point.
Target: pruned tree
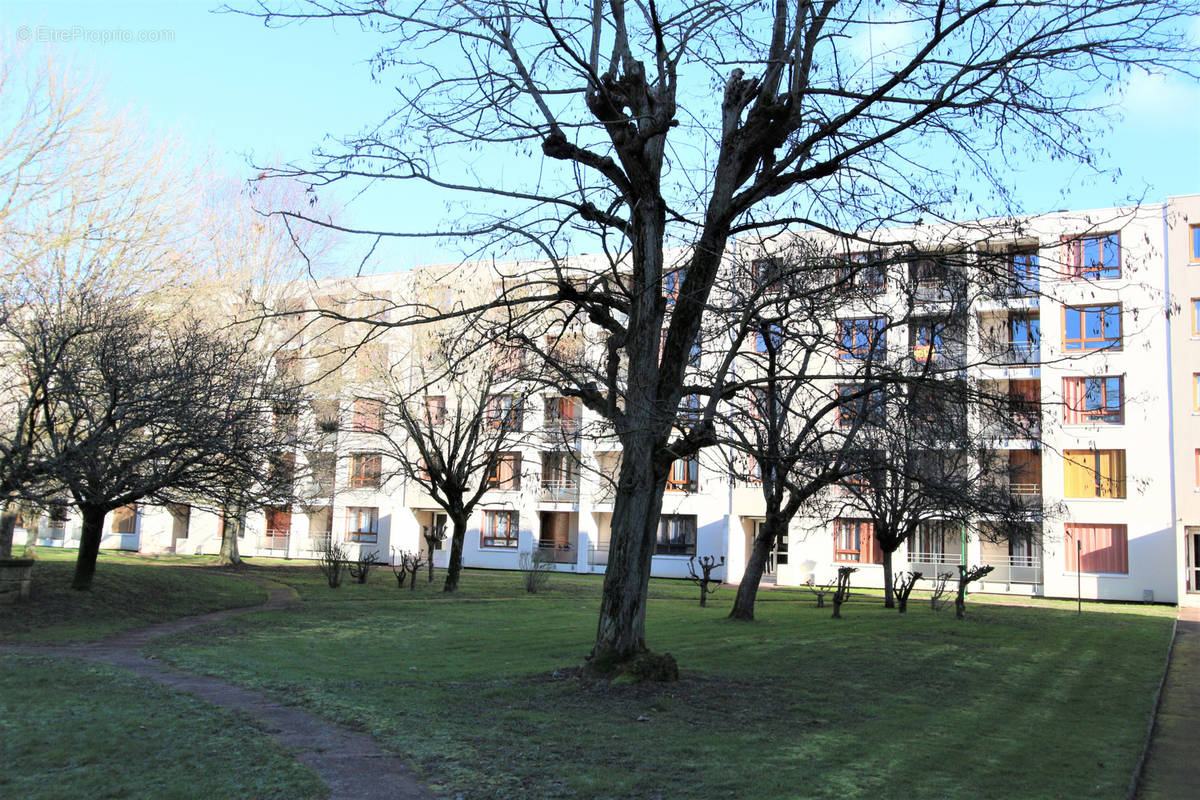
x: 704, y: 578
x: 812, y: 126
x: 433, y: 535
x: 904, y: 582
x: 967, y: 576
x: 842, y: 593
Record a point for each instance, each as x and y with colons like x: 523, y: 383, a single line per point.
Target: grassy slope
x: 129, y: 591
x: 86, y: 730
x: 1011, y: 703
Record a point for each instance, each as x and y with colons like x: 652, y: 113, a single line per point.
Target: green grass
x: 128, y: 591
x: 479, y: 690
x: 73, y: 729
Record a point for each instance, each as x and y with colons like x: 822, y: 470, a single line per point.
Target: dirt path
x: 351, y: 764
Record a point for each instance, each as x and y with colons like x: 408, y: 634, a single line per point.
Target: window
x: 282, y: 470
x: 927, y: 340
x: 124, y: 519
x: 865, y: 272
x: 864, y: 472
x: 1196, y: 483
x: 672, y: 282
x: 504, y: 471
x: 1097, y: 548
x: 767, y: 274
x: 508, y: 359
x: 365, y: 470
x: 368, y: 416
x: 362, y: 524
x: 689, y: 409
x: 868, y: 405
x: 1093, y: 257
x: 1025, y: 332
x: 1025, y: 472
x: 1196, y: 316
x: 1091, y: 327
x: 435, y: 409
x: 854, y: 542
x: 326, y: 414
x: 504, y: 412
x: 501, y: 529
x: 768, y: 332
x: 1023, y: 268
x: 1196, y: 392
x: 1195, y: 233
x: 279, y: 521
x: 684, y: 472
x: 936, y: 541
x: 370, y: 362
x: 1093, y: 400
x: 676, y: 535
x: 1094, y: 473
x: 862, y: 338
x: 1025, y: 402
x: 561, y: 414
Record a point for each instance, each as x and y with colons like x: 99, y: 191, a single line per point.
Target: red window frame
x: 864, y: 532
x: 684, y: 476
x: 1105, y: 548
x: 1075, y: 393
x: 1075, y: 250
x: 368, y: 415
x: 504, y: 471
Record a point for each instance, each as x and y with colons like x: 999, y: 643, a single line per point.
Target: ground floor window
x: 1097, y: 548
x: 362, y: 524
x: 124, y: 519
x: 676, y: 535
x: 501, y: 528
x: 854, y: 542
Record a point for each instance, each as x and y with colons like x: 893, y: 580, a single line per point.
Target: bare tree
x: 148, y: 409
x: 453, y: 417
x: 813, y: 126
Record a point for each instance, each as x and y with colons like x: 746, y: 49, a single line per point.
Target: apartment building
x: 1080, y: 340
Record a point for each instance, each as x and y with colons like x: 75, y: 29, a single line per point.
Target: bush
x: 537, y: 567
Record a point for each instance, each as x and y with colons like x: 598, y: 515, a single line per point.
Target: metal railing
x: 931, y: 564
x: 1015, y: 569
x: 598, y: 556
x: 274, y: 539
x: 560, y: 428
x: 559, y: 552
x: 1012, y: 353
x: 560, y: 491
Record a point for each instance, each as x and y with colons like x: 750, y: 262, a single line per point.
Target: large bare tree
x: 694, y: 123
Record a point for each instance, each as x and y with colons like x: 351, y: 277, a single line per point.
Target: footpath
x: 1172, y: 767
x: 340, y: 757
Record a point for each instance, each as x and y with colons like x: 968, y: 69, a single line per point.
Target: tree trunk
x: 456, y: 550
x: 621, y: 630
x: 8, y: 523
x: 760, y: 552
x: 431, y: 544
x: 229, y: 555
x: 91, y: 531
x: 960, y: 600
x: 31, y: 531
x: 889, y: 586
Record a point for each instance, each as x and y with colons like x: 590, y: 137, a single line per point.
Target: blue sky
x: 230, y: 86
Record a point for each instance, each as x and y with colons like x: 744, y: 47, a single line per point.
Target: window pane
x: 1073, y: 331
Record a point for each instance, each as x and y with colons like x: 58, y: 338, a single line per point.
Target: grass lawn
x: 73, y: 729
x: 129, y: 591
x: 479, y: 690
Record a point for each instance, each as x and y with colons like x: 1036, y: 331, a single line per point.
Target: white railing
x: 275, y: 539
x: 597, y: 556
x: 561, y: 552
x: 560, y: 491
x: 1015, y: 569
x: 1016, y: 353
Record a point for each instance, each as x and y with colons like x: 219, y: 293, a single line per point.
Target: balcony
x: 560, y: 430
x: 1015, y: 569
x: 1016, y: 353
x: 598, y: 556
x: 557, y: 552
x: 939, y: 290
x: 559, y: 490
x: 930, y: 565
x: 274, y: 539
x: 1012, y: 426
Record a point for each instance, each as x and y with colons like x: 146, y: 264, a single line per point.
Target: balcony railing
x: 939, y: 289
x: 1012, y: 353
x: 597, y: 556
x: 1017, y: 426
x: 559, y: 429
x: 930, y: 565
x: 560, y: 491
x: 1015, y: 569
x: 274, y: 540
x: 558, y: 552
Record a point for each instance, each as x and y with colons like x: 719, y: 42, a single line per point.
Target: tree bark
x: 889, y: 586
x: 456, y: 554
x: 91, y: 531
x: 760, y: 552
x: 31, y: 531
x: 621, y: 630
x: 229, y: 555
x: 8, y: 523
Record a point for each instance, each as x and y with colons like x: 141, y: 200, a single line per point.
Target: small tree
x: 904, y: 583
x: 331, y: 561
x: 537, y: 568
x: 937, y: 598
x: 361, y: 566
x: 842, y: 593
x: 433, y: 535
x: 966, y: 577
x: 704, y: 578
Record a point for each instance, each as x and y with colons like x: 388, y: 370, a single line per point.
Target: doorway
x: 778, y: 555
x: 1192, y: 540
